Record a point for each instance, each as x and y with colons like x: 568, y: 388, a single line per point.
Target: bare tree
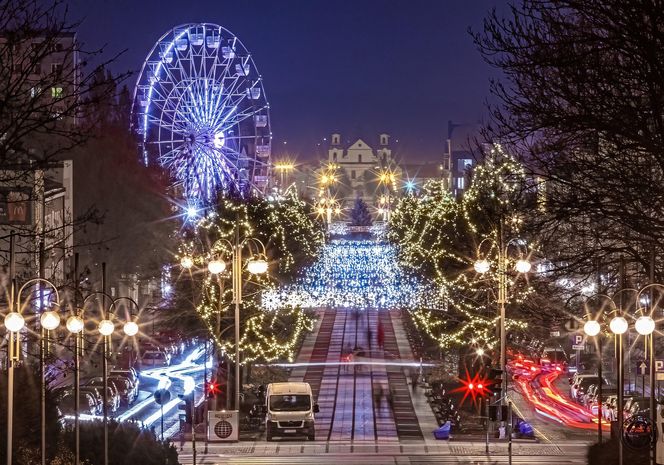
x: 582, y: 100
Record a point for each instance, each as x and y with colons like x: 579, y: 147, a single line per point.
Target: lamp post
x: 130, y: 326
x: 592, y: 328
x: 283, y: 167
x: 49, y: 320
x: 645, y: 326
x: 257, y: 264
x: 522, y: 266
x: 15, y: 322
x: 105, y: 328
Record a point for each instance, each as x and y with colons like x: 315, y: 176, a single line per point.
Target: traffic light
x: 212, y: 389
x: 495, y: 382
x: 186, y: 406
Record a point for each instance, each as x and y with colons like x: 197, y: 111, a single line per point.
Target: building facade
x: 361, y: 168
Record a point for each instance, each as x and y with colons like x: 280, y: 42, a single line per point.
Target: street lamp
x: 482, y: 265
x: 42, y: 352
x: 592, y: 328
x: 105, y: 328
x: 255, y: 265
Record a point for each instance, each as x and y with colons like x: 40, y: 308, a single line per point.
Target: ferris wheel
x: 200, y: 111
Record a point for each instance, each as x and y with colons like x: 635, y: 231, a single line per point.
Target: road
x: 346, y: 391
x: 540, y: 398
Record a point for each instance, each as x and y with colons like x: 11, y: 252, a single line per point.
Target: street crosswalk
x: 377, y: 453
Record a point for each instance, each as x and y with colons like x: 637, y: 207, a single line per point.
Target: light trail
x: 163, y: 375
x: 539, y: 390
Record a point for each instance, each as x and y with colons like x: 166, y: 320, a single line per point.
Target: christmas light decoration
x: 355, y: 274
x: 436, y: 235
x: 293, y: 239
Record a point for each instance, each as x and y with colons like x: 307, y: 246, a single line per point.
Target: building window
x: 56, y: 68
x: 463, y: 164
x: 359, y: 158
x: 461, y: 183
x: 334, y: 156
x: 352, y: 174
x: 56, y: 92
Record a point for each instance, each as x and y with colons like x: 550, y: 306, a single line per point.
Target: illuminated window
x: 464, y: 163
x: 461, y: 183
x: 56, y: 92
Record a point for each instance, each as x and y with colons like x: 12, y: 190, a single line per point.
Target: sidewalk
x: 471, y: 448
x: 425, y: 417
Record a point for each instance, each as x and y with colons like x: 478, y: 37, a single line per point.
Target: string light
x: 293, y: 238
x: 434, y: 234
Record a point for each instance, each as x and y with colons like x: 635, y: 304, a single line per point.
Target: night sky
x: 358, y: 67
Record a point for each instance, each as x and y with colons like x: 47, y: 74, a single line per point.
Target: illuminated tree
x: 360, y: 215
x: 292, y: 238
x: 437, y: 237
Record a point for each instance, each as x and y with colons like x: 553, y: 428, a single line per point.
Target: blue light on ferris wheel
x: 201, y: 112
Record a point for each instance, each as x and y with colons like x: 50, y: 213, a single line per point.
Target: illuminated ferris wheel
x: 200, y: 111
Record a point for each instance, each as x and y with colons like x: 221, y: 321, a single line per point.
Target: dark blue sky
x: 359, y: 67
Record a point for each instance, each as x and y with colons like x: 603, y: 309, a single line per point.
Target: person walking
x: 380, y: 336
x: 378, y: 395
x: 369, y: 334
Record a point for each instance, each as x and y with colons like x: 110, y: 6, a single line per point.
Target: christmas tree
x: 359, y: 215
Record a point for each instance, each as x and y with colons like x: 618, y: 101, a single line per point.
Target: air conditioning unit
x: 223, y: 426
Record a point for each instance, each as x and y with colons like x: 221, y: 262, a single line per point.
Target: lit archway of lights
x: 355, y: 274
x: 200, y: 110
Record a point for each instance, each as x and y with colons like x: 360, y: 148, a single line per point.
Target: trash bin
x: 444, y: 431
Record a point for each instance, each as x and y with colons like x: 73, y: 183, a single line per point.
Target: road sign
x: 578, y: 347
x: 659, y: 366
x: 162, y: 396
x: 641, y: 368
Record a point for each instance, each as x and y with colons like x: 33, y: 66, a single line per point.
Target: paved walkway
x: 350, y: 410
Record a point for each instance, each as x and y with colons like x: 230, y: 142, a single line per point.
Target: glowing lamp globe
x: 14, y: 322
x: 258, y: 266
x: 482, y: 266
x: 106, y: 327
x: 186, y: 262
x: 480, y: 351
x: 50, y: 320
x: 644, y: 325
x: 618, y: 325
x: 216, y: 266
x: 74, y: 324
x: 130, y: 328
x: 591, y: 328
x: 522, y: 266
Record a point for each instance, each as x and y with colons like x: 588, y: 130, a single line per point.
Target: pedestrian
x: 369, y: 336
x: 378, y: 395
x: 380, y: 336
x: 414, y: 378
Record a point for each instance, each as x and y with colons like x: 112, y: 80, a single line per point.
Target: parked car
x: 155, y: 359
x: 96, y: 395
x: 122, y: 386
x: 129, y: 373
x: 67, y: 403
x: 580, y: 383
x: 112, y: 397
x: 553, y: 359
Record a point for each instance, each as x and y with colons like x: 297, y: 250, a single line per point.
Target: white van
x: 290, y: 410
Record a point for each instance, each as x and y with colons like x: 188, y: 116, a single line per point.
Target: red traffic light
x: 213, y: 388
x: 473, y: 387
